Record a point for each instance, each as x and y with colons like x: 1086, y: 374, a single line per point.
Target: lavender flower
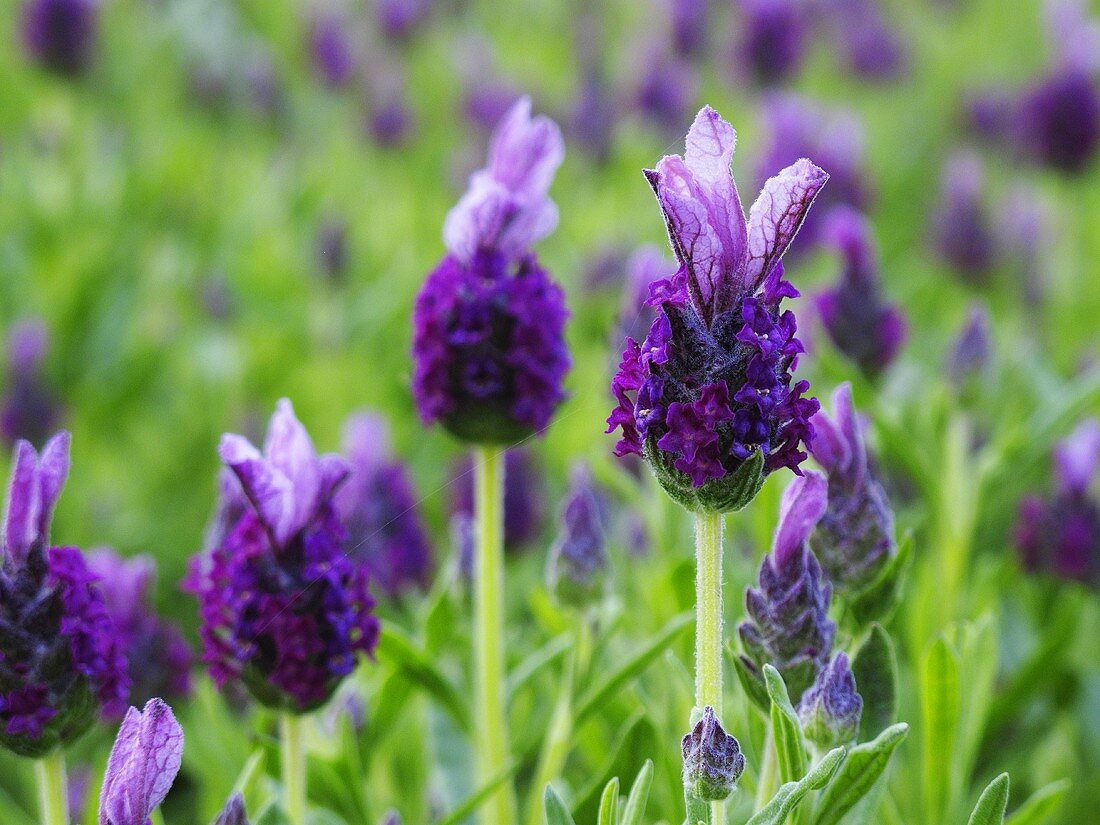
x: 578, y: 560
x: 378, y: 505
x: 143, y: 765
x: 61, y: 34
x: 773, y: 40
x: 233, y: 813
x: 667, y: 90
x: 831, y: 708
x: 690, y: 26
x: 391, y: 121
x: 713, y: 761
x: 961, y: 225
x: 400, y: 19
x: 788, y: 624
x: 524, y: 496
x: 647, y: 265
x: 855, y: 537
x: 331, y: 51
x: 488, y: 345
x: 855, y: 313
x: 159, y: 657
x: 972, y: 349
x: 709, y: 398
x: 60, y: 657
x: 870, y: 44
x: 1062, y: 534
x: 282, y: 607
x: 29, y: 408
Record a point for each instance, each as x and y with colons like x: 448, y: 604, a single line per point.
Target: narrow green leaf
x: 790, y: 750
x: 273, y: 814
x: 609, y: 804
x: 875, y: 668
x: 858, y: 774
x: 556, y: 812
x: 788, y: 796
x: 473, y: 802
x: 639, y: 796
x: 751, y: 682
x: 940, y: 708
x: 877, y: 600
x: 531, y: 664
x: 991, y: 806
x: 1040, y: 805
x: 394, y: 646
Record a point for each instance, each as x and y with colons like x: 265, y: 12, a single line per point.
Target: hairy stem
x: 53, y: 792
x: 708, y: 622
x: 293, y: 757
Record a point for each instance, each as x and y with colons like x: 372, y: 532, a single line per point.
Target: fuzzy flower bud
x: 831, y: 708
x: 578, y: 559
x: 143, y: 765
x: 713, y: 761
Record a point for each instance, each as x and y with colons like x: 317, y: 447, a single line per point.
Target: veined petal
x: 143, y: 765
x: 803, y: 505
x: 21, y: 515
x: 525, y: 152
x: 271, y: 492
x: 776, y: 216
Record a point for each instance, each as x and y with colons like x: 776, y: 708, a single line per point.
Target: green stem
x: 708, y: 623
x: 294, y: 767
x: 490, y: 714
x: 53, y: 791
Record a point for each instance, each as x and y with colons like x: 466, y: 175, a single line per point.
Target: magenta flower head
x: 708, y: 398
x: 578, y: 562
x: 961, y: 225
x: 856, y: 315
x: 61, y: 34
x: 378, y: 505
x: 1061, y: 535
x: 282, y: 607
x: 489, y: 344
x: 773, y: 39
x: 831, y: 708
x: 143, y: 765
x: 788, y: 624
x: 29, y: 408
x: 159, y: 657
x: 713, y: 761
x: 855, y: 537
x: 61, y: 662
x: 524, y: 496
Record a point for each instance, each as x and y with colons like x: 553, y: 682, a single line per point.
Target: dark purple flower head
x: 524, y: 496
x: 61, y: 34
x: 378, y: 505
x: 29, y: 409
x: 1061, y: 534
x: 972, y: 349
x: 871, y: 46
x: 60, y: 657
x: 233, y: 813
x: 788, y: 624
x: 143, y: 765
x: 159, y: 657
x: 713, y: 761
x: 595, y: 111
x: 400, y: 19
x: 708, y: 398
x: 488, y: 344
x: 282, y: 607
x: 855, y: 537
x: 667, y: 90
x: 578, y: 561
x: 1058, y: 121
x: 690, y: 26
x: 961, y: 225
x: 772, y: 43
x: 855, y: 313
x: 331, y: 49
x: 831, y: 708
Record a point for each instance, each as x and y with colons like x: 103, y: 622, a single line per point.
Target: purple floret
x: 144, y: 761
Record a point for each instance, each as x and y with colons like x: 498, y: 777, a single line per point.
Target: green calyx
x: 719, y: 495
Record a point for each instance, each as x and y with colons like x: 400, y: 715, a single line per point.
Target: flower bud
x: 143, y: 764
x: 233, y: 813
x: 578, y: 559
x: 831, y: 708
x: 713, y: 761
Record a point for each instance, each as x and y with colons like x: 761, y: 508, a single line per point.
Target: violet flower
x: 856, y: 315
x: 830, y: 710
x: 29, y: 408
x: 708, y: 398
x: 378, y: 505
x: 855, y: 537
x: 578, y: 560
x: 713, y: 761
x: 647, y: 265
x: 788, y: 624
x: 61, y: 34
x: 961, y: 226
x: 159, y: 657
x: 391, y: 122
x: 488, y: 344
x: 690, y: 26
x: 400, y: 19
x: 143, y: 765
x: 667, y: 90
x: 61, y: 662
x: 972, y: 349
x: 233, y: 813
x: 332, y: 53
x: 282, y: 607
x: 772, y: 44
x: 871, y: 46
x: 524, y: 496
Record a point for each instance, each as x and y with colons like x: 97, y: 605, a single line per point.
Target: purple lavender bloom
x: 159, y: 657
x: 391, y: 122
x: 143, y: 765
x: 61, y: 34
x: 788, y: 624
x: 488, y: 345
x: 61, y: 661
x: 855, y: 313
x: 773, y: 39
x: 378, y: 505
x: 708, y: 398
x: 29, y: 409
x: 332, y: 54
x: 592, y: 122
x: 233, y: 813
x: 961, y: 225
x: 1024, y: 225
x: 578, y: 561
x: 871, y: 46
x: 713, y: 761
x: 667, y: 91
x: 282, y: 607
x: 524, y: 496
x: 647, y: 265
x: 332, y: 248
x: 855, y: 537
x: 400, y: 19
x: 972, y: 349
x: 488, y: 101
x: 831, y: 708
x: 690, y: 26
x: 1061, y: 534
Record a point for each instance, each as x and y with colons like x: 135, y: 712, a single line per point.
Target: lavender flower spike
x: 961, y: 227
x: 830, y: 710
x: 143, y: 765
x: 709, y: 397
x: 29, y: 408
x: 578, y: 558
x: 713, y: 761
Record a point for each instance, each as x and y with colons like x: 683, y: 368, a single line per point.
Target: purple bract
x: 830, y: 710
x: 143, y: 765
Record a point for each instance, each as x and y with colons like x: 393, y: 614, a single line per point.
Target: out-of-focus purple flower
x: 282, y: 607
x: 524, y: 496
x: 690, y: 26
x: 871, y: 46
x: 592, y: 121
x: 143, y: 765
x: 79, y: 782
x: 159, y: 657
x: 61, y: 661
x: 378, y: 505
x: 29, y: 409
x: 1024, y: 228
x: 961, y: 225
x: 855, y: 537
x: 391, y: 121
x: 61, y: 34
x: 972, y: 349
x: 488, y: 344
x: 713, y: 761
x: 667, y: 90
x: 772, y: 41
x: 1061, y: 534
x: 831, y: 708
x: 855, y: 313
x: 392, y: 818
x: 606, y: 267
x: 788, y: 624
x: 488, y: 100
x: 400, y: 19
x: 990, y: 114
x: 645, y: 266
x: 578, y: 561
x: 233, y: 813
x: 332, y: 248
x: 463, y: 543
x: 709, y: 398
x: 332, y: 53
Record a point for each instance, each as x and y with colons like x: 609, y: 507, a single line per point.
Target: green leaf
x: 877, y: 600
x: 858, y: 774
x: 320, y: 816
x: 875, y: 669
x: 1041, y: 804
x: 789, y: 795
x: 639, y: 796
x: 534, y: 662
x: 750, y: 681
x: 273, y: 814
x: 609, y: 804
x: 473, y: 802
x: 991, y: 806
x: 556, y: 812
x: 790, y: 750
x: 940, y: 708
x: 394, y: 646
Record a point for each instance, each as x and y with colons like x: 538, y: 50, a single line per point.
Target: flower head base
x: 60, y: 657
x: 854, y: 539
x: 143, y: 765
x: 708, y: 398
x: 282, y: 607
x: 831, y: 709
x: 713, y: 761
x: 788, y: 624
x: 578, y: 558
x: 61, y: 34
x: 29, y: 408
